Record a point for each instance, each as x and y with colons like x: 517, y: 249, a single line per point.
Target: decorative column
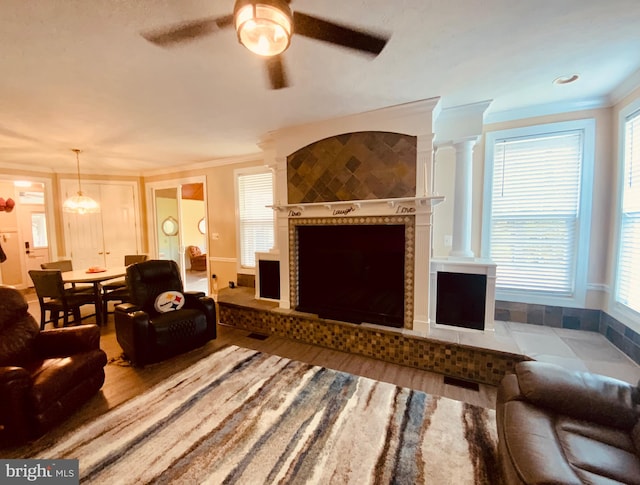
x: 280, y: 250
x: 422, y: 252
x: 461, y: 243
x: 424, y: 164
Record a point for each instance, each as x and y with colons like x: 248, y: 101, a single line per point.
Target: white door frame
x: 150, y: 189
x: 51, y: 221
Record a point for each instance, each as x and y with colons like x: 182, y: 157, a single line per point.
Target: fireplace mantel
x: 365, y: 198
x: 369, y: 207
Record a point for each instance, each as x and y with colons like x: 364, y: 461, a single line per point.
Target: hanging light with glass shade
x: 264, y: 26
x: 80, y: 203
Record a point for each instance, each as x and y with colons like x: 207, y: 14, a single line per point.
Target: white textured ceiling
x: 77, y: 73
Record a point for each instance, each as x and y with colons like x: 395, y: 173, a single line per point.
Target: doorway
x: 26, y: 232
x: 179, y: 223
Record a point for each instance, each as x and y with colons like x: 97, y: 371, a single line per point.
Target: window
x: 39, y: 230
x: 627, y: 287
x: 254, y: 193
x: 536, y: 228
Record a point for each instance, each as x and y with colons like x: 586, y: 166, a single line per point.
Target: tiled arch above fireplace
x: 353, y: 166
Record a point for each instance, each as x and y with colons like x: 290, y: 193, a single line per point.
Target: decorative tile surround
x: 624, y: 338
x: 353, y: 166
x: 455, y: 360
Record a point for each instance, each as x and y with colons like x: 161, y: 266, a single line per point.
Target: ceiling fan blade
x: 186, y: 31
x: 342, y: 35
x: 277, y: 75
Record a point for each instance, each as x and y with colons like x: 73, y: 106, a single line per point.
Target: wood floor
x: 123, y: 382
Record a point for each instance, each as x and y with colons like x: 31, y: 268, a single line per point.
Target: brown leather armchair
x: 148, y: 335
x: 564, y: 427
x: 45, y: 376
x: 197, y: 259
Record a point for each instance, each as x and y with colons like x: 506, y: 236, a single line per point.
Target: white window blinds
x: 255, y: 192
x: 535, y: 208
x: 628, y: 276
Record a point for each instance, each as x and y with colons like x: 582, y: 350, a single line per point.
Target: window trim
x: 617, y: 310
x: 588, y: 126
x: 237, y: 173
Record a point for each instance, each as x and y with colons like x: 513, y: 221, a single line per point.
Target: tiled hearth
x: 482, y: 357
x: 239, y: 309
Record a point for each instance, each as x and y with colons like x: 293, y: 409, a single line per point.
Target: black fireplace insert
x: 352, y: 273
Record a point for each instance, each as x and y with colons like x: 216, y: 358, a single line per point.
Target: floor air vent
x: 258, y: 336
x: 452, y: 381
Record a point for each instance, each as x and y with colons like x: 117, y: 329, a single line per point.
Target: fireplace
x: 352, y: 273
x: 367, y: 169
x: 354, y: 269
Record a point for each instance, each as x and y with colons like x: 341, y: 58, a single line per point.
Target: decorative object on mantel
x: 265, y: 28
x: 399, y: 205
x: 7, y: 205
x: 80, y: 203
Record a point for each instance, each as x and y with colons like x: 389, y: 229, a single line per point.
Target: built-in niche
x: 460, y: 299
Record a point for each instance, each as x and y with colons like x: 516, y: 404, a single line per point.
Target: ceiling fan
x: 265, y: 27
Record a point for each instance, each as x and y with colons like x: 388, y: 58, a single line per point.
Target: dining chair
x: 116, y: 290
x: 54, y: 298
x: 67, y: 265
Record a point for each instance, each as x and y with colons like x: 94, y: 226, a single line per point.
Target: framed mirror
x: 170, y: 226
x: 202, y: 226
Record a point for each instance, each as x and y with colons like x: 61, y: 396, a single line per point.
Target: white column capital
x: 472, y: 140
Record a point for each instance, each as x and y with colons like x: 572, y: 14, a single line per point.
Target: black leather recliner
x: 148, y: 335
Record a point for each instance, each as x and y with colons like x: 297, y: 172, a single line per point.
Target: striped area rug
x: 242, y: 416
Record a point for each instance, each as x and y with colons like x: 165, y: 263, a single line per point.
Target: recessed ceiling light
x: 566, y: 79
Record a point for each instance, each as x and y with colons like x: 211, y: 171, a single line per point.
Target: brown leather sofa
x: 557, y: 426
x: 45, y: 376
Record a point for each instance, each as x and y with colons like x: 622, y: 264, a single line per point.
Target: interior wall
x: 11, y: 270
x: 192, y: 212
x: 443, y: 180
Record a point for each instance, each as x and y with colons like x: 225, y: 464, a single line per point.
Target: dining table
x: 95, y: 277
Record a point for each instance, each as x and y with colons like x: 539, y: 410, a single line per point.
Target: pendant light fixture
x: 80, y: 204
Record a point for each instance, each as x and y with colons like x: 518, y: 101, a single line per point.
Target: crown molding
x: 625, y: 88
x: 547, y: 109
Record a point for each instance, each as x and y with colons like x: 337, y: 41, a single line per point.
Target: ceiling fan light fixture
x: 264, y: 27
x: 80, y: 203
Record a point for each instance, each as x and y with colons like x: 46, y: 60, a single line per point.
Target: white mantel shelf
x: 399, y: 205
